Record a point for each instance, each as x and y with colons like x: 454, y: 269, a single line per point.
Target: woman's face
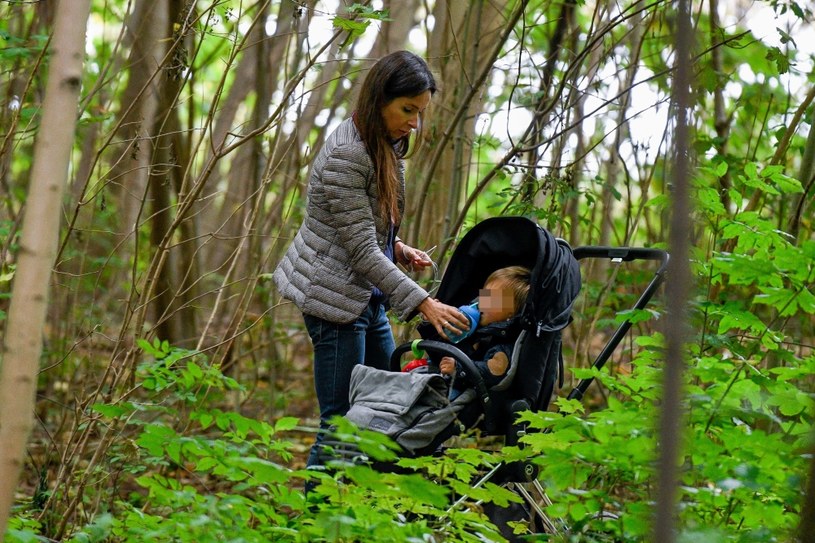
x: 401, y: 115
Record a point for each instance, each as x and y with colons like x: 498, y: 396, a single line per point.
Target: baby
x: 504, y: 294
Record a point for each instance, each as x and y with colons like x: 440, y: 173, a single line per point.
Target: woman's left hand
x: 412, y: 259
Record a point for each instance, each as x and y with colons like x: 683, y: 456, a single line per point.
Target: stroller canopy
x: 516, y: 241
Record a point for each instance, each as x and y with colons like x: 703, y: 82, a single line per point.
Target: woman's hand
x: 410, y: 258
x: 443, y: 317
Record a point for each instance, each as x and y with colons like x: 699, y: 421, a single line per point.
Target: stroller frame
x: 529, y: 488
x: 555, y: 282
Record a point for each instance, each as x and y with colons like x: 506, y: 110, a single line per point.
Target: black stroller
x: 424, y: 418
x: 535, y: 330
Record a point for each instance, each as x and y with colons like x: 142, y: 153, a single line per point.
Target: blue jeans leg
x: 337, y: 349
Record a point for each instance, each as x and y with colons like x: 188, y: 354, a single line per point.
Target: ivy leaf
x: 782, y: 63
x: 786, y: 38
x: 354, y: 28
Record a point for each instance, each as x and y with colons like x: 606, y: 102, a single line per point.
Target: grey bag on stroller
x: 410, y: 408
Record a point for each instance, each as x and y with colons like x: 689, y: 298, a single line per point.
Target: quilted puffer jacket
x: 337, y: 256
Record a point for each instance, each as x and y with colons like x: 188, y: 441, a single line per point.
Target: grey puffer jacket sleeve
x: 336, y: 257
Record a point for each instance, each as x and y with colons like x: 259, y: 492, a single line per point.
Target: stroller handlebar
x: 621, y: 254
x: 624, y: 254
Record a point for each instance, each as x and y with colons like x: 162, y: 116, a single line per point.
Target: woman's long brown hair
x: 396, y: 75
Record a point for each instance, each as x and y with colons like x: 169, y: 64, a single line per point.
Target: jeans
x: 337, y: 349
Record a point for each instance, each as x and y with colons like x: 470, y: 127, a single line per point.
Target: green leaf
x: 659, y: 202
x: 569, y: 406
x: 205, y: 419
x: 354, y: 28
x: 782, y: 63
x: 285, y: 424
x: 154, y: 437
x: 146, y: 346
x: 368, y: 12
x: 21, y: 536
x: 635, y: 316
x: 785, y: 183
x: 784, y: 300
x: 262, y: 471
x: 736, y: 319
x: 709, y: 201
x: 423, y: 490
x: 195, y: 370
x: 754, y: 180
x: 113, y: 410
x: 785, y: 38
x: 791, y: 402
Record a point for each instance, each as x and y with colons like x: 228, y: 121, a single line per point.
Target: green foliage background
x: 145, y: 439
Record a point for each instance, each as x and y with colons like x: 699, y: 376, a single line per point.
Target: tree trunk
x: 671, y: 416
x: 459, y: 54
x: 394, y: 34
x: 806, y: 530
x: 22, y: 345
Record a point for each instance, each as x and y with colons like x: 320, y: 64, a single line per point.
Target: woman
x: 341, y: 267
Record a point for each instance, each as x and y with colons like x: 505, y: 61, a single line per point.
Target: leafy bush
x: 207, y: 475
x: 744, y: 452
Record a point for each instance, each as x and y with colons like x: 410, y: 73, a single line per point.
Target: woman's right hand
x: 443, y: 317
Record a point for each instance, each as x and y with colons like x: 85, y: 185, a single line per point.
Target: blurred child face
x: 496, y: 302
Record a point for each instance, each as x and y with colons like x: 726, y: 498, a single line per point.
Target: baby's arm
x: 447, y: 366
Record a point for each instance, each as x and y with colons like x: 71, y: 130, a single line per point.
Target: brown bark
x: 462, y: 53
x: 671, y: 417
x: 806, y: 175
x: 806, y: 530
x: 393, y: 34
x: 565, y: 24
x: 721, y: 121
x: 22, y: 344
